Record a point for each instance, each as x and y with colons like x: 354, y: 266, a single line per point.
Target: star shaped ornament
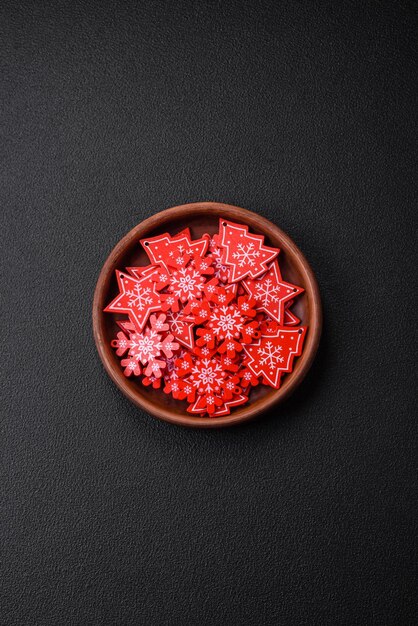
x: 271, y: 292
x: 273, y: 354
x: 244, y: 252
x: 137, y: 298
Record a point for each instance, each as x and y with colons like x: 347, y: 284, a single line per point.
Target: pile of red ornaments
x: 208, y: 319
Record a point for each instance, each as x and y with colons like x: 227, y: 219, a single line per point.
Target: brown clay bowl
x: 202, y: 217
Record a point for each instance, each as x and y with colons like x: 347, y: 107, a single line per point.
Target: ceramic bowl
x: 203, y: 217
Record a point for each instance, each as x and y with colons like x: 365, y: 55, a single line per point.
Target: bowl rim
x: 260, y: 224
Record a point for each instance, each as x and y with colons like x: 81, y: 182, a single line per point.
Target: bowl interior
x: 201, y: 219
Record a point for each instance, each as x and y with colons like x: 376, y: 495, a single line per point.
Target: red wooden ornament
x: 271, y: 292
x: 244, y: 252
x: 137, y: 298
x: 273, y: 354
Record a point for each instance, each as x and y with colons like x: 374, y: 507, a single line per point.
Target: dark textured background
x: 305, y: 113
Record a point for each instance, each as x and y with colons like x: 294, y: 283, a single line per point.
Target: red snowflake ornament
x: 230, y: 387
x: 211, y: 290
x: 158, y: 323
x: 203, y: 265
x: 206, y: 376
x: 206, y: 337
x: 121, y: 343
x: 151, y: 381
x: 131, y: 366
x: 186, y: 284
x: 247, y: 378
x: 226, y: 321
x: 146, y: 347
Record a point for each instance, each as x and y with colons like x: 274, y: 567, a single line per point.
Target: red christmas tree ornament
x: 273, y: 354
x: 228, y: 404
x: 244, y: 252
x: 208, y: 319
x: 174, y: 251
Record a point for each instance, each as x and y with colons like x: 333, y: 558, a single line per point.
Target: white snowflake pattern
x: 176, y: 322
x: 246, y: 254
x: 267, y: 292
x: 186, y: 283
x: 270, y: 355
x: 226, y: 322
x: 207, y: 375
x: 145, y: 346
x: 178, y: 255
x: 139, y: 297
